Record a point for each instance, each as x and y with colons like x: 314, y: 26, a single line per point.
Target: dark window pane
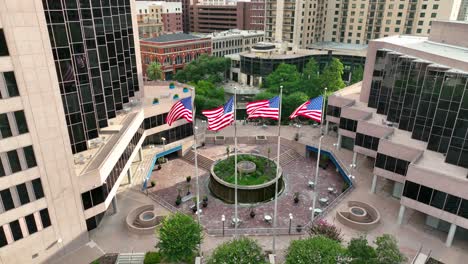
x: 45, y: 218
x: 97, y: 195
x: 21, y: 122
x: 463, y: 212
x: 22, y: 193
x: 452, y: 204
x: 438, y: 199
x: 5, y: 129
x: 91, y: 223
x: 401, y: 166
x: 425, y: 194
x: 7, y: 199
x: 3, y: 45
x: 380, y: 161
x: 31, y: 224
x: 391, y: 163
x: 3, y: 241
x: 411, y: 190
x: 30, y: 157
x: 16, y: 230
x: 86, y: 199
x: 14, y: 161
x: 37, y: 186
x: 2, y: 170
x: 10, y: 81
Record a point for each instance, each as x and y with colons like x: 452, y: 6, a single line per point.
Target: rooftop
x: 172, y: 37
x: 230, y: 33
x: 327, y: 45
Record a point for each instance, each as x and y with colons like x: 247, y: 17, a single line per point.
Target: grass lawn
x: 266, y: 170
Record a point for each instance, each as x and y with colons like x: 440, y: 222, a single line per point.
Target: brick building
x: 155, y: 18
x: 209, y: 16
x: 173, y: 51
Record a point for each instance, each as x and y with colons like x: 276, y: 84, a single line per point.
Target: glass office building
x: 94, y: 53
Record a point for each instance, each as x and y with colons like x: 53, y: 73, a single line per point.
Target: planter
x: 175, y: 97
x: 178, y: 201
x: 171, y: 86
x: 205, y: 203
x: 299, y: 228
x: 185, y: 90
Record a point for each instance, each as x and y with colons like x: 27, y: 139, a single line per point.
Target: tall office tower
x: 354, y: 22
x: 157, y: 17
x: 66, y: 67
x: 185, y: 13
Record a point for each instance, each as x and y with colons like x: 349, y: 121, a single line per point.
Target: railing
x: 163, y: 203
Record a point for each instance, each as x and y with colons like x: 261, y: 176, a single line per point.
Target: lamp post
x: 223, y: 218
x: 164, y: 142
x: 290, y: 222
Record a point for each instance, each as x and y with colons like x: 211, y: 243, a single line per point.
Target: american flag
x: 181, y: 109
x: 264, y: 108
x: 311, y: 109
x: 220, y: 117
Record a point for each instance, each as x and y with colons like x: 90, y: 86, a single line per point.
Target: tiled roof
x: 172, y: 37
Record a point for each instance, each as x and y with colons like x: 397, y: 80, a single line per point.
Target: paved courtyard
x: 297, y: 173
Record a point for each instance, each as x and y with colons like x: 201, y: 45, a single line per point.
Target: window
x: 45, y: 218
x: 348, y: 124
x: 21, y: 122
x: 16, y: 230
x: 31, y: 224
x: 425, y: 194
x: 2, y: 170
x: 3, y: 45
x: 37, y: 186
x: 23, y: 193
x: 10, y: 82
x: 434, y: 15
x: 452, y: 204
x: 422, y: 14
x: 411, y: 190
x: 438, y: 199
x: 30, y: 157
x: 5, y: 129
x: 418, y: 30
x: 3, y: 240
x: 14, y: 161
x: 435, y: 7
x: 463, y: 212
x: 7, y: 199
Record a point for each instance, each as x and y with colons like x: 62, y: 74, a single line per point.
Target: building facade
x: 463, y: 13
x: 208, y: 17
x: 410, y: 117
x: 173, y: 51
x: 185, y: 13
x: 350, y: 21
x: 73, y: 119
x: 233, y: 41
x: 156, y: 17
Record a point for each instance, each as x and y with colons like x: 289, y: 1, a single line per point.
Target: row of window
x: 31, y: 225
x: 17, y: 119
x: 17, y: 160
x: 392, y: 164
x: 436, y: 198
x: 21, y: 194
x: 154, y: 121
x: 366, y: 141
x: 8, y: 86
x: 98, y: 195
x: 171, y: 135
x: 3, y: 45
x: 348, y: 124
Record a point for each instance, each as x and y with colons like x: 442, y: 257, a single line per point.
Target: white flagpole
x: 314, y: 200
x: 196, y: 162
x: 235, y: 164
x: 277, y: 172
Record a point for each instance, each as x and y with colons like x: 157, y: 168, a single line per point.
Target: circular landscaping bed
x: 256, y: 179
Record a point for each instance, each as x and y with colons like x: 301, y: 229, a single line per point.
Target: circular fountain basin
x: 357, y: 213
x: 246, y: 166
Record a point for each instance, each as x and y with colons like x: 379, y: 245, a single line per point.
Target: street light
x: 223, y: 218
x: 290, y: 221
x: 164, y: 142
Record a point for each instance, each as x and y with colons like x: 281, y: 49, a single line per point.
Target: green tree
x: 387, y: 250
x: 179, y: 236
x: 332, y: 76
x: 238, y: 251
x: 154, y: 71
x: 152, y: 258
x: 311, y: 79
x: 285, y: 75
x: 360, y: 251
x: 206, y: 67
x: 357, y: 74
x: 207, y: 96
x: 264, y: 96
x: 291, y: 102
x: 315, y: 250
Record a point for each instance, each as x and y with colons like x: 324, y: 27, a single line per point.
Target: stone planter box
x: 261, y: 139
x: 220, y: 140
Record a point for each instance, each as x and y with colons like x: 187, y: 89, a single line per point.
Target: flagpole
x: 277, y: 172
x: 235, y: 163
x: 314, y: 198
x: 196, y: 162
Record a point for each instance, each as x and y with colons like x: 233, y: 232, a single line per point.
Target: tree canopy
x: 179, y: 236
x: 285, y: 75
x: 206, y: 67
x: 360, y: 251
x: 387, y: 250
x: 238, y: 251
x: 357, y: 74
x: 315, y: 250
x: 332, y: 76
x: 207, y: 96
x: 154, y: 71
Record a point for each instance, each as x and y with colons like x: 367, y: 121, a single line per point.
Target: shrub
x: 326, y: 229
x: 315, y: 250
x: 179, y: 237
x: 360, y: 251
x: 388, y: 251
x: 238, y: 251
x: 152, y: 258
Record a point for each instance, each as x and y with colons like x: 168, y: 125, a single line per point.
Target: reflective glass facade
x: 93, y: 48
x: 427, y: 99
